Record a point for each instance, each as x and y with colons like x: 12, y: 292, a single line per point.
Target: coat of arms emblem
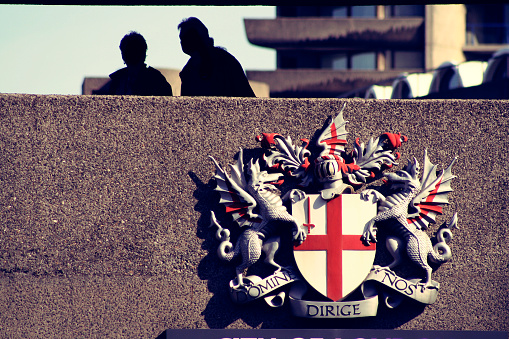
x: 320, y: 202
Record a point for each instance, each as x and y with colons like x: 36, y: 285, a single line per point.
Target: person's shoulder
x: 157, y: 79
x: 222, y: 52
x: 222, y: 55
x: 153, y: 70
x: 188, y: 68
x: 119, y: 73
x: 154, y: 73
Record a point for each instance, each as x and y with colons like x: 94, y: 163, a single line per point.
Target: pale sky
x: 51, y: 49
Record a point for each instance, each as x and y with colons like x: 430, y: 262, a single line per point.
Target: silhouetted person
x: 211, y: 71
x: 136, y: 78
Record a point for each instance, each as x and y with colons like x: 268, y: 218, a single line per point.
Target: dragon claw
x: 369, y: 235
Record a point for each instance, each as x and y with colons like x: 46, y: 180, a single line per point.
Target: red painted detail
x: 306, y: 164
x: 344, y: 167
x: 433, y: 193
x: 235, y: 208
x: 333, y: 140
x: 353, y: 167
x: 278, y: 183
x: 348, y: 168
x: 309, y: 226
x: 334, y: 136
x: 235, y: 197
x: 276, y: 166
x: 372, y: 175
x: 354, y: 242
x: 434, y: 208
x: 395, y: 139
x: 334, y: 242
x: 428, y: 206
x: 267, y: 139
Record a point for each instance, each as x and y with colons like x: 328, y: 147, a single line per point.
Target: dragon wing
x: 234, y: 195
x: 333, y: 138
x: 425, y: 207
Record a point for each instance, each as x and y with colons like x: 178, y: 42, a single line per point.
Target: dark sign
x: 329, y: 334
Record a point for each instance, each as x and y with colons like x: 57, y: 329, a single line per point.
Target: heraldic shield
x: 333, y: 259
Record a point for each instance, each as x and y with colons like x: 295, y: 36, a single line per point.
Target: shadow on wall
x: 220, y: 311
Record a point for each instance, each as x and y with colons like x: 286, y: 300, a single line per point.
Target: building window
x: 364, y: 61
x: 363, y: 11
x: 287, y: 62
x: 407, y: 60
x: 286, y: 11
x: 404, y: 10
x: 340, y: 12
x: 353, y: 12
x: 335, y: 61
x: 368, y: 11
x: 487, y: 24
x: 341, y: 61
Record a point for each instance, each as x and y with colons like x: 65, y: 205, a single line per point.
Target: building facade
x: 330, y: 51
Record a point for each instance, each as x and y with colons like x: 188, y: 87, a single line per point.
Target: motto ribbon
x: 413, y: 288
x: 330, y: 309
x: 257, y: 287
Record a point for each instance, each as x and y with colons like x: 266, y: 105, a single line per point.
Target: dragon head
x: 263, y: 179
x: 407, y: 178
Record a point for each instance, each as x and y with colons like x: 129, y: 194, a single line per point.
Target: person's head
x: 134, y: 48
x: 194, y: 36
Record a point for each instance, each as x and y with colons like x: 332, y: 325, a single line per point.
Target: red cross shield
x: 333, y: 259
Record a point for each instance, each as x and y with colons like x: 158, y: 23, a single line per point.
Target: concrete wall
x: 104, y: 208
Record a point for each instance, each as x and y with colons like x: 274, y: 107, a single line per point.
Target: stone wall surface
x: 104, y: 210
